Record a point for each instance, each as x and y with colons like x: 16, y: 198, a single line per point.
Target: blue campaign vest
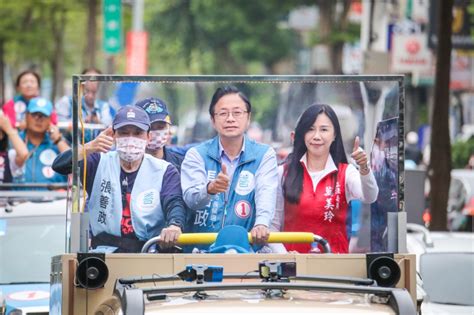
x: 240, y: 206
x: 89, y: 134
x: 20, y: 105
x: 37, y: 168
x: 105, y: 202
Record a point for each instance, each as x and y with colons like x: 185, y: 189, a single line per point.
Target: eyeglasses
x: 235, y: 113
x: 38, y: 115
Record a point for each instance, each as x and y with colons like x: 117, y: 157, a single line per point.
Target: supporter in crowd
x: 160, y: 131
x: 8, y: 134
x: 94, y: 110
x: 28, y: 84
x: 43, y: 142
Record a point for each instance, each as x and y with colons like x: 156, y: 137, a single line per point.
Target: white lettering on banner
x: 211, y: 175
x: 328, y: 215
x: 329, y: 205
x: 148, y: 199
x: 245, y: 183
x: 214, y: 208
x: 338, y: 200
x: 242, y: 209
x: 328, y: 191
x: 201, y: 217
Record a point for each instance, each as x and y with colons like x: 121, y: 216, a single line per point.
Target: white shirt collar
x: 330, y: 166
x: 222, y: 151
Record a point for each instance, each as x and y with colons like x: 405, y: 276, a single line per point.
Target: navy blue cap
x: 155, y: 108
x: 131, y: 116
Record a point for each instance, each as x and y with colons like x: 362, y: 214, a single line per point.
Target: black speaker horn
x: 91, y: 272
x: 382, y: 268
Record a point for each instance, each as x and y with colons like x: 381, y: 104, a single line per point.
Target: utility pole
x: 137, y: 42
x: 439, y: 170
x: 137, y: 15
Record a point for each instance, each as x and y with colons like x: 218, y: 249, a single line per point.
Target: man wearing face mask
x: 132, y: 196
x: 160, y: 131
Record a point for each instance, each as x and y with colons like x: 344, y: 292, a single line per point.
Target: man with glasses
x: 43, y: 141
x: 230, y: 179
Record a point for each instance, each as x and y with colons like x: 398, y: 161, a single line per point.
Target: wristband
x: 364, y: 168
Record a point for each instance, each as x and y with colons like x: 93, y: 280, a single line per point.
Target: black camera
x: 276, y: 270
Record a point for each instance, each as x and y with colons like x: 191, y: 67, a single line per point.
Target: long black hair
x: 3, y: 141
x: 293, y: 180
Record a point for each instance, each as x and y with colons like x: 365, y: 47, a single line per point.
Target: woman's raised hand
x: 360, y: 157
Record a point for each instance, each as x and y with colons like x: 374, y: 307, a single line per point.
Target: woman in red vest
x: 28, y: 84
x: 318, y: 183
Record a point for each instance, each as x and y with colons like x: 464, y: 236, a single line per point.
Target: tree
x: 91, y: 47
x: 58, y: 21
x: 44, y: 36
x: 10, y: 28
x: 220, y: 37
x: 439, y: 170
x: 334, y: 30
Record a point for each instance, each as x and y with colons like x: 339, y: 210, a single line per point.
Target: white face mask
x: 158, y: 139
x: 130, y: 148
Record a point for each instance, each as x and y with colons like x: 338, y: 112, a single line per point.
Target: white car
x: 30, y: 234
x: 445, y: 262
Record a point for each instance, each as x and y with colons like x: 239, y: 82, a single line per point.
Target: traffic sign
x: 112, y: 39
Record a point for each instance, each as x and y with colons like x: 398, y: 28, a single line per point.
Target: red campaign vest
x: 322, y: 212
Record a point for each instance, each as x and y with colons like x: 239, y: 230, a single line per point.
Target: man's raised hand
x: 220, y: 183
x: 103, y: 143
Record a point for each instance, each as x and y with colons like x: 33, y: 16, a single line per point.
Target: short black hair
x: 225, y: 90
x: 22, y: 74
x: 91, y: 69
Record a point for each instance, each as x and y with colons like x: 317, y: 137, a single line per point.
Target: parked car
x: 445, y: 263
x: 31, y: 232
x: 461, y: 200
x: 460, y: 210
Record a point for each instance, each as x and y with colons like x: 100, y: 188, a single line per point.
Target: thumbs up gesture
x: 221, y: 183
x: 102, y: 143
x: 360, y: 157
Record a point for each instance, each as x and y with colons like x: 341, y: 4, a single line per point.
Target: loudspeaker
x: 91, y: 272
x: 382, y: 268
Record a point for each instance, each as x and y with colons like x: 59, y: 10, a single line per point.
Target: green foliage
x: 350, y: 35
x: 461, y: 151
x: 218, y: 37
x: 264, y: 110
x: 27, y: 30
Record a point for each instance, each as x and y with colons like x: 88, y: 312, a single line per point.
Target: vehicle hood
x: 429, y: 308
x: 25, y: 296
